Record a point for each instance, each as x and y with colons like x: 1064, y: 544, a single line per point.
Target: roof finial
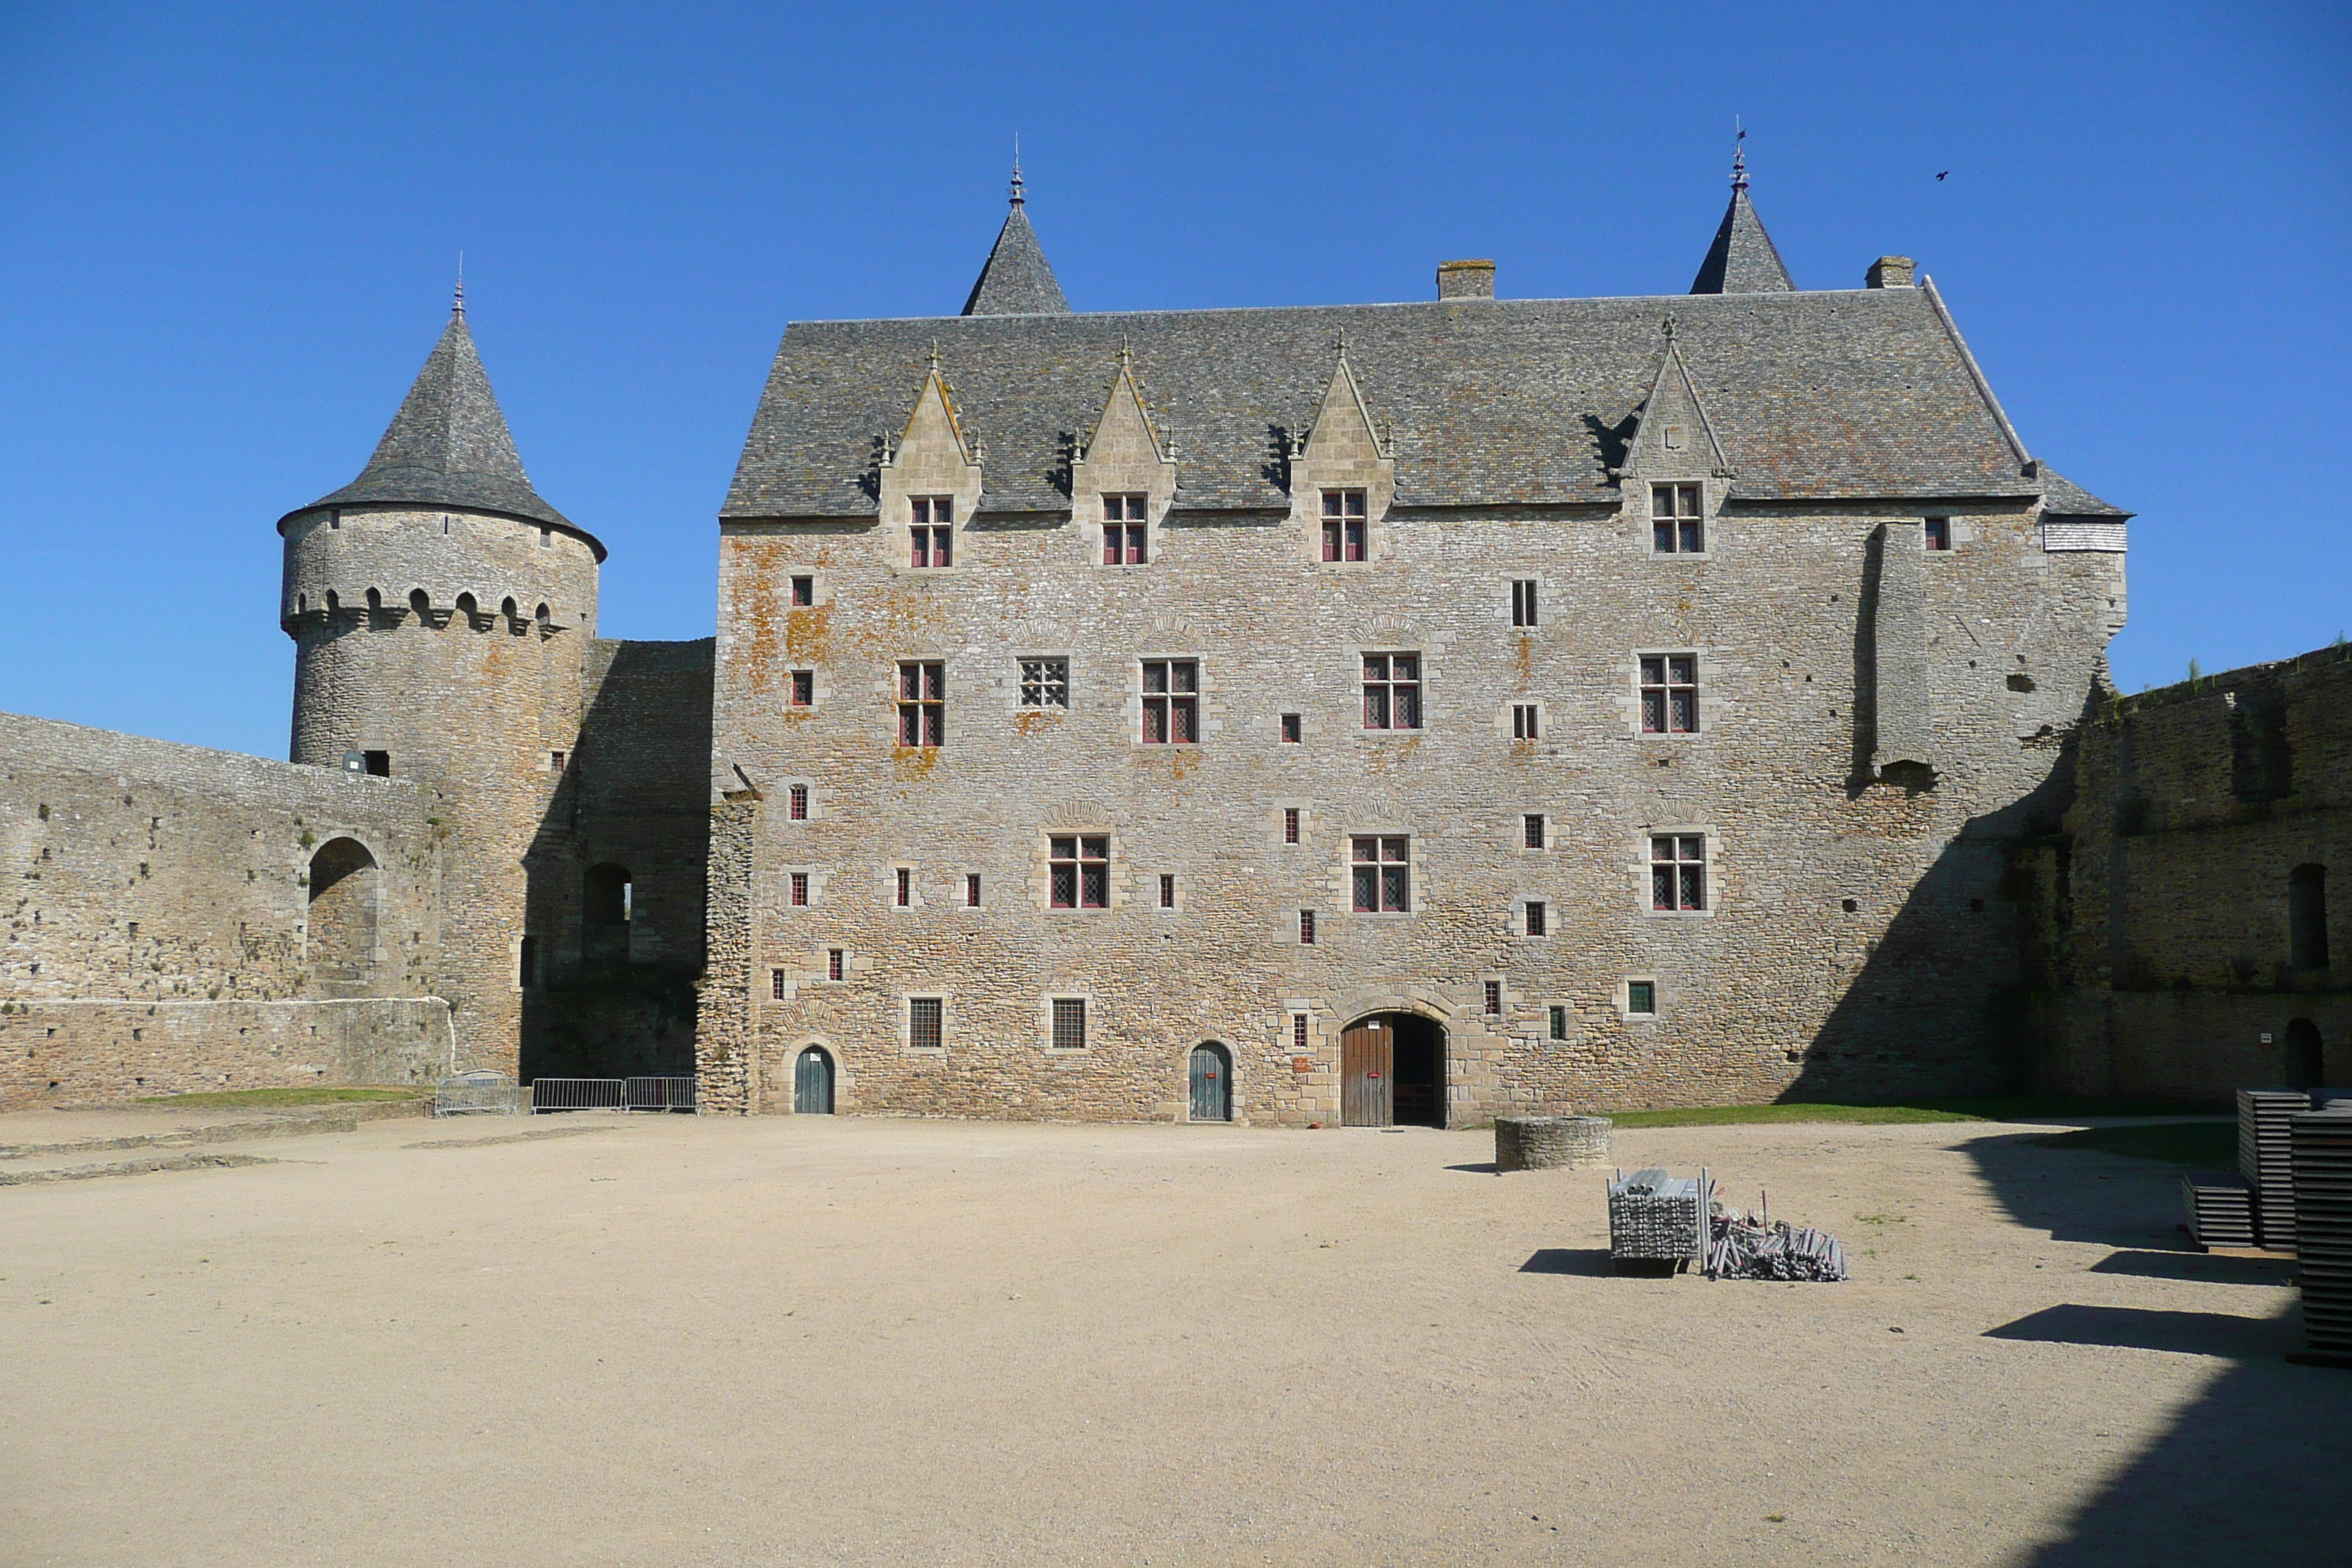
x: 1018, y: 199
x: 1126, y: 354
x: 1342, y: 344
x: 1738, y: 155
x: 935, y: 356
x: 457, y: 305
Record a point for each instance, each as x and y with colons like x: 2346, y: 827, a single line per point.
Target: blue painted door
x: 1213, y: 1084
x: 813, y: 1083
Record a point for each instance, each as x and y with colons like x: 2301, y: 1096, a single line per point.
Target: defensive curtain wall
x: 185, y: 918
x: 2191, y: 930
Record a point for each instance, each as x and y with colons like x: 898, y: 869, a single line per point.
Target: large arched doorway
x: 1212, y: 1082
x: 343, y: 880
x: 2304, y: 1063
x: 1392, y: 1072
x: 812, y: 1082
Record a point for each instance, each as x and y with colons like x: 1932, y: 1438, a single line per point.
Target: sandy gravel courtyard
x: 817, y: 1341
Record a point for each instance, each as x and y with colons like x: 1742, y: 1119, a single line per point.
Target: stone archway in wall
x: 346, y: 887
x: 1393, y: 1071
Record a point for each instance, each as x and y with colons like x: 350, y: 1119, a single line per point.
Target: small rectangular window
x: 1124, y: 542
x: 1523, y: 722
x: 971, y: 890
x: 1494, y: 998
x: 1676, y: 522
x: 1171, y: 702
x: 547, y: 538
x: 836, y: 962
x: 1307, y: 928
x: 923, y: 1023
x: 527, y: 964
x: 1343, y: 525
x: 1044, y: 683
x: 905, y: 888
x: 1940, y: 533
x: 379, y: 765
x: 1291, y: 728
x: 798, y: 803
x: 934, y: 532
x: 1670, y: 694
x: 1298, y: 1031
x: 1392, y: 692
x: 776, y: 985
x: 1383, y: 875
x: 1532, y: 830
x: 922, y: 703
x: 1538, y: 919
x: 1290, y: 824
x: 1523, y: 601
x: 804, y: 688
x: 1559, y: 1023
x: 1678, y: 872
x: 1167, y: 890
x: 1641, y: 997
x: 1078, y: 870
x: 800, y: 889
x: 803, y: 593
x: 555, y: 760
x: 1069, y: 1023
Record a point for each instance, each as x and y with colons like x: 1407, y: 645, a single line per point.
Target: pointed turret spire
x: 449, y: 445
x: 1743, y: 259
x: 1017, y: 280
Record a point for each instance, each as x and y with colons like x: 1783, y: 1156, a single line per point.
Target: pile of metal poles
x: 1746, y: 1247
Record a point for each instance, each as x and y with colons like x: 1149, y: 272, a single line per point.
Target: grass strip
x: 308, y: 1094
x: 2207, y: 1145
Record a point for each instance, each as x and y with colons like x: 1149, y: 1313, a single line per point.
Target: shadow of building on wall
x: 615, y: 943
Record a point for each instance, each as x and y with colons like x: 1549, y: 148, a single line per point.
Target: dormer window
x: 1343, y: 525
x: 1124, y: 542
x: 933, y: 532
x: 1675, y: 520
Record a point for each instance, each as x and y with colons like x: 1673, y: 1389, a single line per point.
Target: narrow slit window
x: 1383, y: 875
x: 798, y: 803
x: 1298, y: 1031
x: 1044, y: 683
x: 1538, y: 917
x: 971, y: 890
x: 1069, y: 1023
x: 1307, y: 928
x: 1392, y: 692
x: 1532, y: 830
x: 1343, y: 525
x: 1124, y: 530
x: 934, y: 532
x: 1494, y: 998
x: 775, y: 985
x: 1290, y: 824
x: 1670, y: 694
x: 924, y: 1031
x: 1678, y: 872
x: 1523, y: 722
x: 1559, y: 1023
x: 1523, y: 601
x: 804, y: 688
x: 1171, y: 702
x: 803, y: 593
x: 922, y: 703
x: 905, y: 890
x: 835, y: 963
x: 1167, y: 890
x: 1677, y: 526
x: 1079, y: 872
x: 800, y: 889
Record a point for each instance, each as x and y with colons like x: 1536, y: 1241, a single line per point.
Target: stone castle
x: 1364, y: 713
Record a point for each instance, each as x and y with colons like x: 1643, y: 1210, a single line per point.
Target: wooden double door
x: 1392, y: 1072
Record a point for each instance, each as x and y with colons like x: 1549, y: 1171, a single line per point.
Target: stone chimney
x: 1888, y: 272
x: 1467, y: 279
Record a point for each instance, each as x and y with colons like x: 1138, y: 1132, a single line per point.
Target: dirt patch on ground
x: 817, y: 1341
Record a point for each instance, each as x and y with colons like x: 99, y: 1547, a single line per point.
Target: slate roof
x: 1862, y: 394
x: 1743, y: 259
x: 2063, y: 498
x: 449, y: 447
x: 1016, y: 280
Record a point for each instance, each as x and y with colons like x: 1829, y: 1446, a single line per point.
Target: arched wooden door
x: 1213, y: 1083
x: 1367, y: 1069
x: 813, y: 1083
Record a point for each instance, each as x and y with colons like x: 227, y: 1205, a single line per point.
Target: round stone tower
x: 441, y: 613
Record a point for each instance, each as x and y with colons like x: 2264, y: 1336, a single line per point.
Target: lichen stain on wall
x: 751, y: 603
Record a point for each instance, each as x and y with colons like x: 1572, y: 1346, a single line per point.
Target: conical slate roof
x: 1016, y: 281
x: 449, y: 445
x: 1743, y: 259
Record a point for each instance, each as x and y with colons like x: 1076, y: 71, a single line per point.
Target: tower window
x: 1307, y: 928
x: 1642, y: 997
x: 924, y: 1032
x: 800, y: 889
x: 1678, y: 872
x: 804, y: 688
x: 2307, y: 917
x: 922, y: 703
x: 1079, y: 872
x: 1532, y: 830
x: 1167, y: 890
x: 1298, y: 1031
x: 1559, y: 1023
x: 1392, y: 692
x: 904, y: 891
x: 1171, y: 703
x: 803, y: 593
x: 1291, y: 728
x: 1675, y: 520
x: 1523, y: 601
x: 1044, y: 683
x: 775, y: 985
x: 1670, y: 694
x: 1523, y: 722
x: 1940, y: 533
x: 379, y: 764
x: 555, y: 760
x: 1343, y: 525
x: 547, y: 538
x: 527, y: 964
x: 933, y: 532
x: 1494, y: 998
x: 1382, y: 874
x: 1290, y: 824
x: 837, y: 962
x: 1069, y: 1023
x: 1538, y: 917
x: 1124, y: 540
x: 797, y: 803
x: 971, y: 890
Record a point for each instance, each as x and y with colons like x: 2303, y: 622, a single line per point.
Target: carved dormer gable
x: 1343, y: 453
x: 934, y: 456
x: 1126, y: 455
x: 1674, y: 439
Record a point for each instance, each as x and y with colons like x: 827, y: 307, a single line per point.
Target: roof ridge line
x: 1975, y: 374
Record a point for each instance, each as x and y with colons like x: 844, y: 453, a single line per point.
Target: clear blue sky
x: 227, y: 235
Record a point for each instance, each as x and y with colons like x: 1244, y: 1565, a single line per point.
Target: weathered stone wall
x: 1857, y: 942
x: 2164, y: 962
x: 100, y: 1052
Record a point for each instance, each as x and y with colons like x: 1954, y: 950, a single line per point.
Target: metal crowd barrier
x: 575, y: 1094
x: 658, y: 1094
x: 478, y: 1093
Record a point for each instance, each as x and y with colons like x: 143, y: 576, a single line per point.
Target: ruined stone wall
x: 1857, y: 942
x: 2166, y: 963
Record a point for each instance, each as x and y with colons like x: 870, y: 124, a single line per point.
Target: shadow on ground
x: 2259, y: 1468
x: 1568, y: 1260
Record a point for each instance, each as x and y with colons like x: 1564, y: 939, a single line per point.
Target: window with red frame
x: 798, y: 806
x: 1171, y: 702
x: 934, y: 532
x: 1392, y: 692
x: 1678, y: 871
x: 804, y: 688
x: 1383, y: 875
x: 1343, y: 525
x: 1124, y: 530
x: 922, y: 703
x: 1079, y: 867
